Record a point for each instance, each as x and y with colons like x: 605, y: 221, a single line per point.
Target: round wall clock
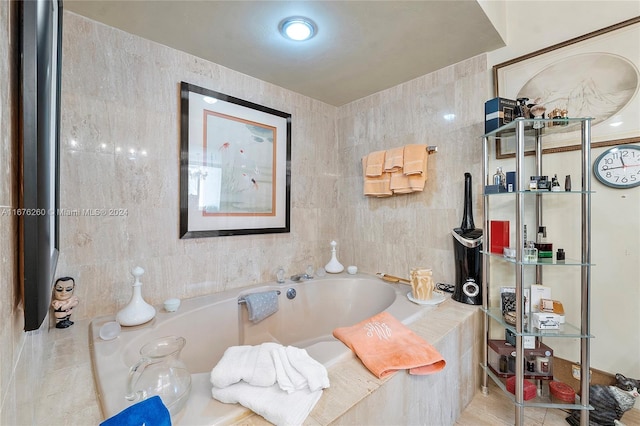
x: 619, y: 167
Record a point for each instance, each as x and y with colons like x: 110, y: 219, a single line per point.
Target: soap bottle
x: 499, y: 178
x: 137, y: 311
x: 555, y: 185
x: 334, y: 267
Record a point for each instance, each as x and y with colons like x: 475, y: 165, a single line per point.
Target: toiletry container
x: 334, y: 267
x: 137, y: 311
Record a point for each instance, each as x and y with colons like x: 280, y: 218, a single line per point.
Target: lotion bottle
x: 137, y: 311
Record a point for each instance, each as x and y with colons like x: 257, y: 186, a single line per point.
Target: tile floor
x: 496, y: 409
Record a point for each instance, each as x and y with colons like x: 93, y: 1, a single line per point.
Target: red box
x: 498, y: 235
x: 562, y: 392
x: 528, y: 392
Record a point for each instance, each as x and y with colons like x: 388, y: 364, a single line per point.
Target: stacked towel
x: 261, y: 305
x: 375, y: 185
x: 413, y: 175
x: 397, y: 171
x: 375, y: 164
x: 385, y: 345
x: 394, y: 159
x: 282, y: 384
x: 151, y: 411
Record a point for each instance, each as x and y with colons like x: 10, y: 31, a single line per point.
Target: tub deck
x: 356, y: 396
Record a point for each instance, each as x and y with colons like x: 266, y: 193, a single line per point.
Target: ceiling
x: 361, y: 47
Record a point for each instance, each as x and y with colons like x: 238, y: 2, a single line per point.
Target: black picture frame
x: 40, y: 45
x: 235, y: 166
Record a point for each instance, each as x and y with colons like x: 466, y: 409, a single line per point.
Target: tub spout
x: 299, y: 277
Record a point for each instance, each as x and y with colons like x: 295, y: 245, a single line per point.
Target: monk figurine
x: 64, y: 301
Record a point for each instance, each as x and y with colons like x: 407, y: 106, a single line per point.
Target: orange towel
x: 415, y: 159
x: 385, y: 345
x: 375, y: 186
x: 375, y: 163
x: 418, y: 180
x: 400, y: 183
x: 394, y: 159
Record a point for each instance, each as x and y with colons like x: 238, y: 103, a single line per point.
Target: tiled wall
x: 123, y: 95
x: 121, y: 92
x: 394, y: 234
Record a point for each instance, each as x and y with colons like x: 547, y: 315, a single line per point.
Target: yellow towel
x: 385, y: 345
x: 375, y: 186
x: 415, y: 159
x: 394, y: 159
x: 375, y: 164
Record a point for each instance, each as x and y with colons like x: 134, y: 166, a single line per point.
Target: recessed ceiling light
x: 297, y: 28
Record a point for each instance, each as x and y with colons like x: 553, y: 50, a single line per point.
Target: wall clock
x: 619, y: 167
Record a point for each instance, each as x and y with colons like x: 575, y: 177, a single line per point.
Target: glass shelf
x: 539, y: 262
x: 565, y: 330
x: 538, y: 192
x: 538, y: 401
x: 558, y: 125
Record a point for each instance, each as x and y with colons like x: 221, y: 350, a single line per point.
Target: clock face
x: 619, y: 167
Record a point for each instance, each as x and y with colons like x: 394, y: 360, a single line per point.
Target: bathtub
x: 210, y: 324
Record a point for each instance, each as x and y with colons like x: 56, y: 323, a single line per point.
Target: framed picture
x: 235, y: 175
x: 595, y: 75
x: 39, y: 129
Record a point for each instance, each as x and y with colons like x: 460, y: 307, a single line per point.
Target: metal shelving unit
x: 534, y: 131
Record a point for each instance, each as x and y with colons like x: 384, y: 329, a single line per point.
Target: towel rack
x: 431, y: 149
x: 241, y: 300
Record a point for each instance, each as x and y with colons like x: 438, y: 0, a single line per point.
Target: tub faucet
x: 308, y: 275
x: 299, y: 277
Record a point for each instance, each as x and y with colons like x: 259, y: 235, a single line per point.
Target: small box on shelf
x: 538, y: 362
x: 529, y: 390
x: 498, y: 236
x: 498, y: 112
x: 528, y: 342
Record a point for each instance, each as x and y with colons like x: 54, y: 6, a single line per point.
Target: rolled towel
x: 261, y: 305
x: 150, y: 411
x: 385, y: 345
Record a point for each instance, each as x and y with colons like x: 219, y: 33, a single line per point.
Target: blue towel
x: 149, y: 412
x: 261, y: 305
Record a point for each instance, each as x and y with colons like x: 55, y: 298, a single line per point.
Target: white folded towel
x: 288, y: 378
x: 272, y: 403
x: 280, y: 384
x: 315, y: 373
x: 252, y: 364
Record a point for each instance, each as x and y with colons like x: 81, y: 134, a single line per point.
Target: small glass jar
x: 530, y: 254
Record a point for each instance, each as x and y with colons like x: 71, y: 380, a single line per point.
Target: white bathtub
x: 210, y: 324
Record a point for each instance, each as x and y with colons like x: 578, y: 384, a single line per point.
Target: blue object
x: 498, y: 112
x: 261, y: 305
x: 149, y: 412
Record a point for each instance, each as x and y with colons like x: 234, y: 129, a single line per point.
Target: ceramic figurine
x: 64, y: 301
